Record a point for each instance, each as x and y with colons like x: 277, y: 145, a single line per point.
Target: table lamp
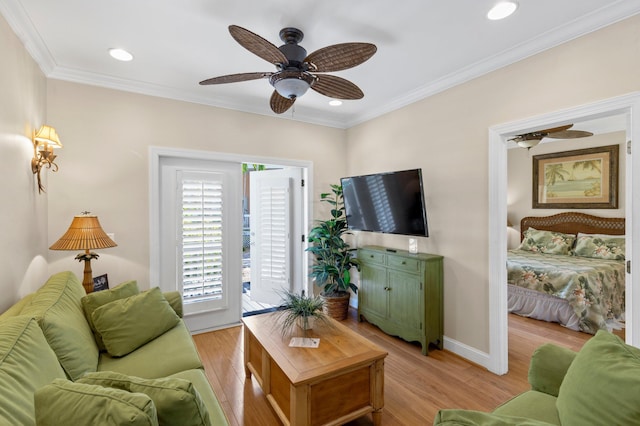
x: 85, y: 233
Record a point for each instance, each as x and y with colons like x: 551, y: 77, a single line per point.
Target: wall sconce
x: 44, y: 142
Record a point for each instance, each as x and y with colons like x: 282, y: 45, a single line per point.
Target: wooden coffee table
x: 339, y: 381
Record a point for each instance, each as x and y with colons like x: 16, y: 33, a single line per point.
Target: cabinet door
x: 405, y: 300
x: 373, y: 296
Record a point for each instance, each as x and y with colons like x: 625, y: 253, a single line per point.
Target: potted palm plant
x: 333, y: 259
x: 299, y: 309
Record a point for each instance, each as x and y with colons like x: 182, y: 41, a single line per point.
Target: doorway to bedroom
x: 577, y: 178
x: 627, y: 110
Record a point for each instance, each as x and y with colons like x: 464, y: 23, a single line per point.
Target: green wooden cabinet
x: 401, y: 293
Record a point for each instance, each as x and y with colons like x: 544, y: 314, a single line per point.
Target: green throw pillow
x: 602, y: 385
x: 547, y: 242
x: 597, y: 246
x: 176, y: 400
x: 93, y: 301
x: 56, y: 306
x: 64, y: 403
x: 127, y: 324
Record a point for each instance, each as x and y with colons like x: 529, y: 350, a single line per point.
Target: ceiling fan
x: 531, y: 139
x: 296, y: 71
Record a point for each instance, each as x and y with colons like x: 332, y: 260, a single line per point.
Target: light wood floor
x: 416, y: 387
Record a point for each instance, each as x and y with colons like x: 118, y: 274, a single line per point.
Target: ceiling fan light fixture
x: 291, y: 84
x: 528, y: 143
x: 502, y: 9
x: 335, y: 102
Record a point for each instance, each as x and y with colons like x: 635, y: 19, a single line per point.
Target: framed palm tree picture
x: 579, y: 179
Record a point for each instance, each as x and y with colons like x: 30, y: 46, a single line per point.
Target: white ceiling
x: 424, y: 46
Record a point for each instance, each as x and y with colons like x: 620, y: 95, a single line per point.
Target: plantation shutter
x: 201, y: 245
x: 271, y: 249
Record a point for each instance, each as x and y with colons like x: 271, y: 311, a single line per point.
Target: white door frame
x: 628, y: 105
x: 156, y: 153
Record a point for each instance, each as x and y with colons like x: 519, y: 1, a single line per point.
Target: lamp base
x: 87, y: 280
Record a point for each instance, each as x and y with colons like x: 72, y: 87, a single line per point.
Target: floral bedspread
x: 594, y: 288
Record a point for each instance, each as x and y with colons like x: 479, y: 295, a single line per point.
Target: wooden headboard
x: 572, y: 223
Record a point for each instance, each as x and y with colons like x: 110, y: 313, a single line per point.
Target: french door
x: 200, y: 244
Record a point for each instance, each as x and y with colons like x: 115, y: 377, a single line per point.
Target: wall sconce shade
x: 84, y: 233
x: 44, y: 142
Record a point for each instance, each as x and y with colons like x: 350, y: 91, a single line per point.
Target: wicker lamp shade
x: 84, y: 233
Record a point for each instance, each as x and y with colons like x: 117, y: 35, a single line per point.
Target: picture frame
x: 578, y: 179
x: 101, y: 283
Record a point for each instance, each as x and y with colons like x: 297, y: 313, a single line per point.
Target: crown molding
x: 589, y: 23
x: 19, y: 21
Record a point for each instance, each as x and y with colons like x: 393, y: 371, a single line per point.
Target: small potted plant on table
x: 301, y: 310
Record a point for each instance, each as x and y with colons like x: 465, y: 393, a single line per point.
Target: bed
x: 569, y: 269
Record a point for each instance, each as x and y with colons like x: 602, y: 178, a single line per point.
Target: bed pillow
x: 600, y: 246
x: 602, y: 384
x: 93, y: 301
x: 126, y: 324
x: 176, y: 400
x: 66, y: 403
x: 547, y: 242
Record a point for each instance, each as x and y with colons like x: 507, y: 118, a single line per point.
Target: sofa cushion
x: 198, y: 379
x: 127, y: 324
x: 171, y: 352
x: 602, y: 384
x: 93, y: 301
x: 533, y: 405
x: 14, y: 310
x: 63, y: 403
x: 478, y: 418
x: 176, y: 399
x: 26, y: 364
x: 57, y: 307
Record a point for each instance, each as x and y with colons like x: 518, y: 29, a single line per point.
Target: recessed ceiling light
x: 502, y: 9
x: 120, y: 54
x: 335, y: 102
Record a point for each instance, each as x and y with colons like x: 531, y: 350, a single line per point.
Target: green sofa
x: 599, y: 385
x: 116, y: 357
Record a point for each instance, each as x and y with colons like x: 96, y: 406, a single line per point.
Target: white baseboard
x: 467, y: 352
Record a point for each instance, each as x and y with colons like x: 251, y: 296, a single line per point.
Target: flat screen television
x: 391, y: 203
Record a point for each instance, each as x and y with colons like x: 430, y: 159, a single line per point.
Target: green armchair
x: 598, y: 385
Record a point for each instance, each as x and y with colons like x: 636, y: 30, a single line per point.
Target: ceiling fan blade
x: 569, y: 134
x: 235, y: 78
x: 339, y: 57
x: 257, y: 45
x: 336, y: 87
x: 280, y: 104
x: 539, y: 134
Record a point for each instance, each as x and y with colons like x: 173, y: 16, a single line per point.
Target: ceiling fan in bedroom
x: 296, y: 71
x: 531, y: 139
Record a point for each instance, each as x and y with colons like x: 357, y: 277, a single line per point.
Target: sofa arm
x: 175, y: 300
x: 548, y: 366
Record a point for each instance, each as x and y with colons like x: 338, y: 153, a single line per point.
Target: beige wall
x: 23, y: 212
x: 104, y: 167
x: 520, y: 175
x: 106, y: 133
x: 447, y: 136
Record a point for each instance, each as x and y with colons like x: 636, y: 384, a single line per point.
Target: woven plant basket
x: 336, y: 307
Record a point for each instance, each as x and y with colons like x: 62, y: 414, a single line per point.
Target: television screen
x: 391, y: 203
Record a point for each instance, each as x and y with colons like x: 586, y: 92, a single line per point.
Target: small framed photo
x: 580, y: 179
x: 100, y: 283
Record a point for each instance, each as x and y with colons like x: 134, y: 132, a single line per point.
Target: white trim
x: 627, y: 104
x: 467, y: 352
